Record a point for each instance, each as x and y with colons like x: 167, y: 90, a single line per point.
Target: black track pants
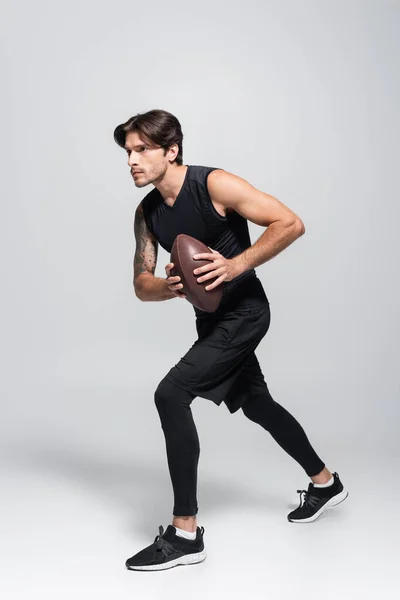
x: 182, y: 441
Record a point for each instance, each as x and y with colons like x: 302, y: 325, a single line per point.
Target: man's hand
x: 223, y: 268
x: 173, y: 282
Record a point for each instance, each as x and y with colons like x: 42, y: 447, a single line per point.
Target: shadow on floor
x: 141, y: 489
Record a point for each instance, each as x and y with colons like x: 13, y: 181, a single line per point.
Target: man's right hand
x: 174, y: 282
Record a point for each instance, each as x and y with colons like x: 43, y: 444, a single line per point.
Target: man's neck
x: 171, y: 184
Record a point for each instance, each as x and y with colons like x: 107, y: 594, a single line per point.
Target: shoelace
x: 162, y: 544
x: 309, y: 500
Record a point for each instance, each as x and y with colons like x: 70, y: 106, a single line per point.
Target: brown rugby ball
x: 182, y: 252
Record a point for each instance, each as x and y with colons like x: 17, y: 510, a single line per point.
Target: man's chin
x: 140, y: 184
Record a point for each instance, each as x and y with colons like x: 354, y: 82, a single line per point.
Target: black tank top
x: 194, y: 214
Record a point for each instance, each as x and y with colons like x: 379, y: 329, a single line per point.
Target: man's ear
x: 174, y: 149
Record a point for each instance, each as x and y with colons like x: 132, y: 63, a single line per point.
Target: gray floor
x: 74, y: 507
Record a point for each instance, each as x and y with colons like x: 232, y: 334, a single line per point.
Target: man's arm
x: 147, y: 286
x: 283, y: 225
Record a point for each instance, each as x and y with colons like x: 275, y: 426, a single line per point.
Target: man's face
x: 147, y: 161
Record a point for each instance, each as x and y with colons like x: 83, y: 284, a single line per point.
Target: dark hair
x: 160, y: 126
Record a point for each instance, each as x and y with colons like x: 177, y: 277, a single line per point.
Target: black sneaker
x: 169, y: 550
x: 316, y: 500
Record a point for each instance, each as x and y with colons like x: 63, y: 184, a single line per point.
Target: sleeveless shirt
x: 194, y: 214
x: 221, y: 365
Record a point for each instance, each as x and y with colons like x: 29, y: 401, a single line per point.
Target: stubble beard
x: 150, y: 179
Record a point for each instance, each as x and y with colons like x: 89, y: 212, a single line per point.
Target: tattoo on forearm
x: 146, y: 251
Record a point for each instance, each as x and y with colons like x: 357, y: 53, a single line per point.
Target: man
x: 213, y: 206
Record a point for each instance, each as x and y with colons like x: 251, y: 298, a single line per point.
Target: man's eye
x: 140, y: 150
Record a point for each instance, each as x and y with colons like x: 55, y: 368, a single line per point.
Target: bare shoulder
x: 216, y: 188
x: 140, y: 225
x: 139, y: 214
x: 221, y: 182
x: 231, y: 191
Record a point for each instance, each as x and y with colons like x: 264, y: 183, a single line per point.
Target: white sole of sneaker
x: 332, y: 502
x: 188, y: 559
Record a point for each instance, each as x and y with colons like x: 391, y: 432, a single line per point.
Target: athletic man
x: 213, y: 206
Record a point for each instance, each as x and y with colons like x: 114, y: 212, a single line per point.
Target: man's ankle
x: 185, y: 523
x: 323, y: 477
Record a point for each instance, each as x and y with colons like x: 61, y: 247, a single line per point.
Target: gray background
x: 300, y: 99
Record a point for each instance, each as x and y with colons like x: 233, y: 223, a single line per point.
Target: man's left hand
x: 225, y: 269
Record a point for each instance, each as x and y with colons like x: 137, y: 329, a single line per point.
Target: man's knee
x: 255, y: 406
x: 247, y: 409
x: 161, y: 393
x: 261, y: 408
x: 169, y: 396
x: 173, y: 405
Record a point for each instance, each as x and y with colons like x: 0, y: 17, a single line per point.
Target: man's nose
x: 132, y: 159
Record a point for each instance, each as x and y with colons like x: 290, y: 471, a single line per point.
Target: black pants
x: 182, y: 441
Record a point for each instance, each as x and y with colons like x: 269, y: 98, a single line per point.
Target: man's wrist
x: 169, y: 294
x: 239, y: 265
